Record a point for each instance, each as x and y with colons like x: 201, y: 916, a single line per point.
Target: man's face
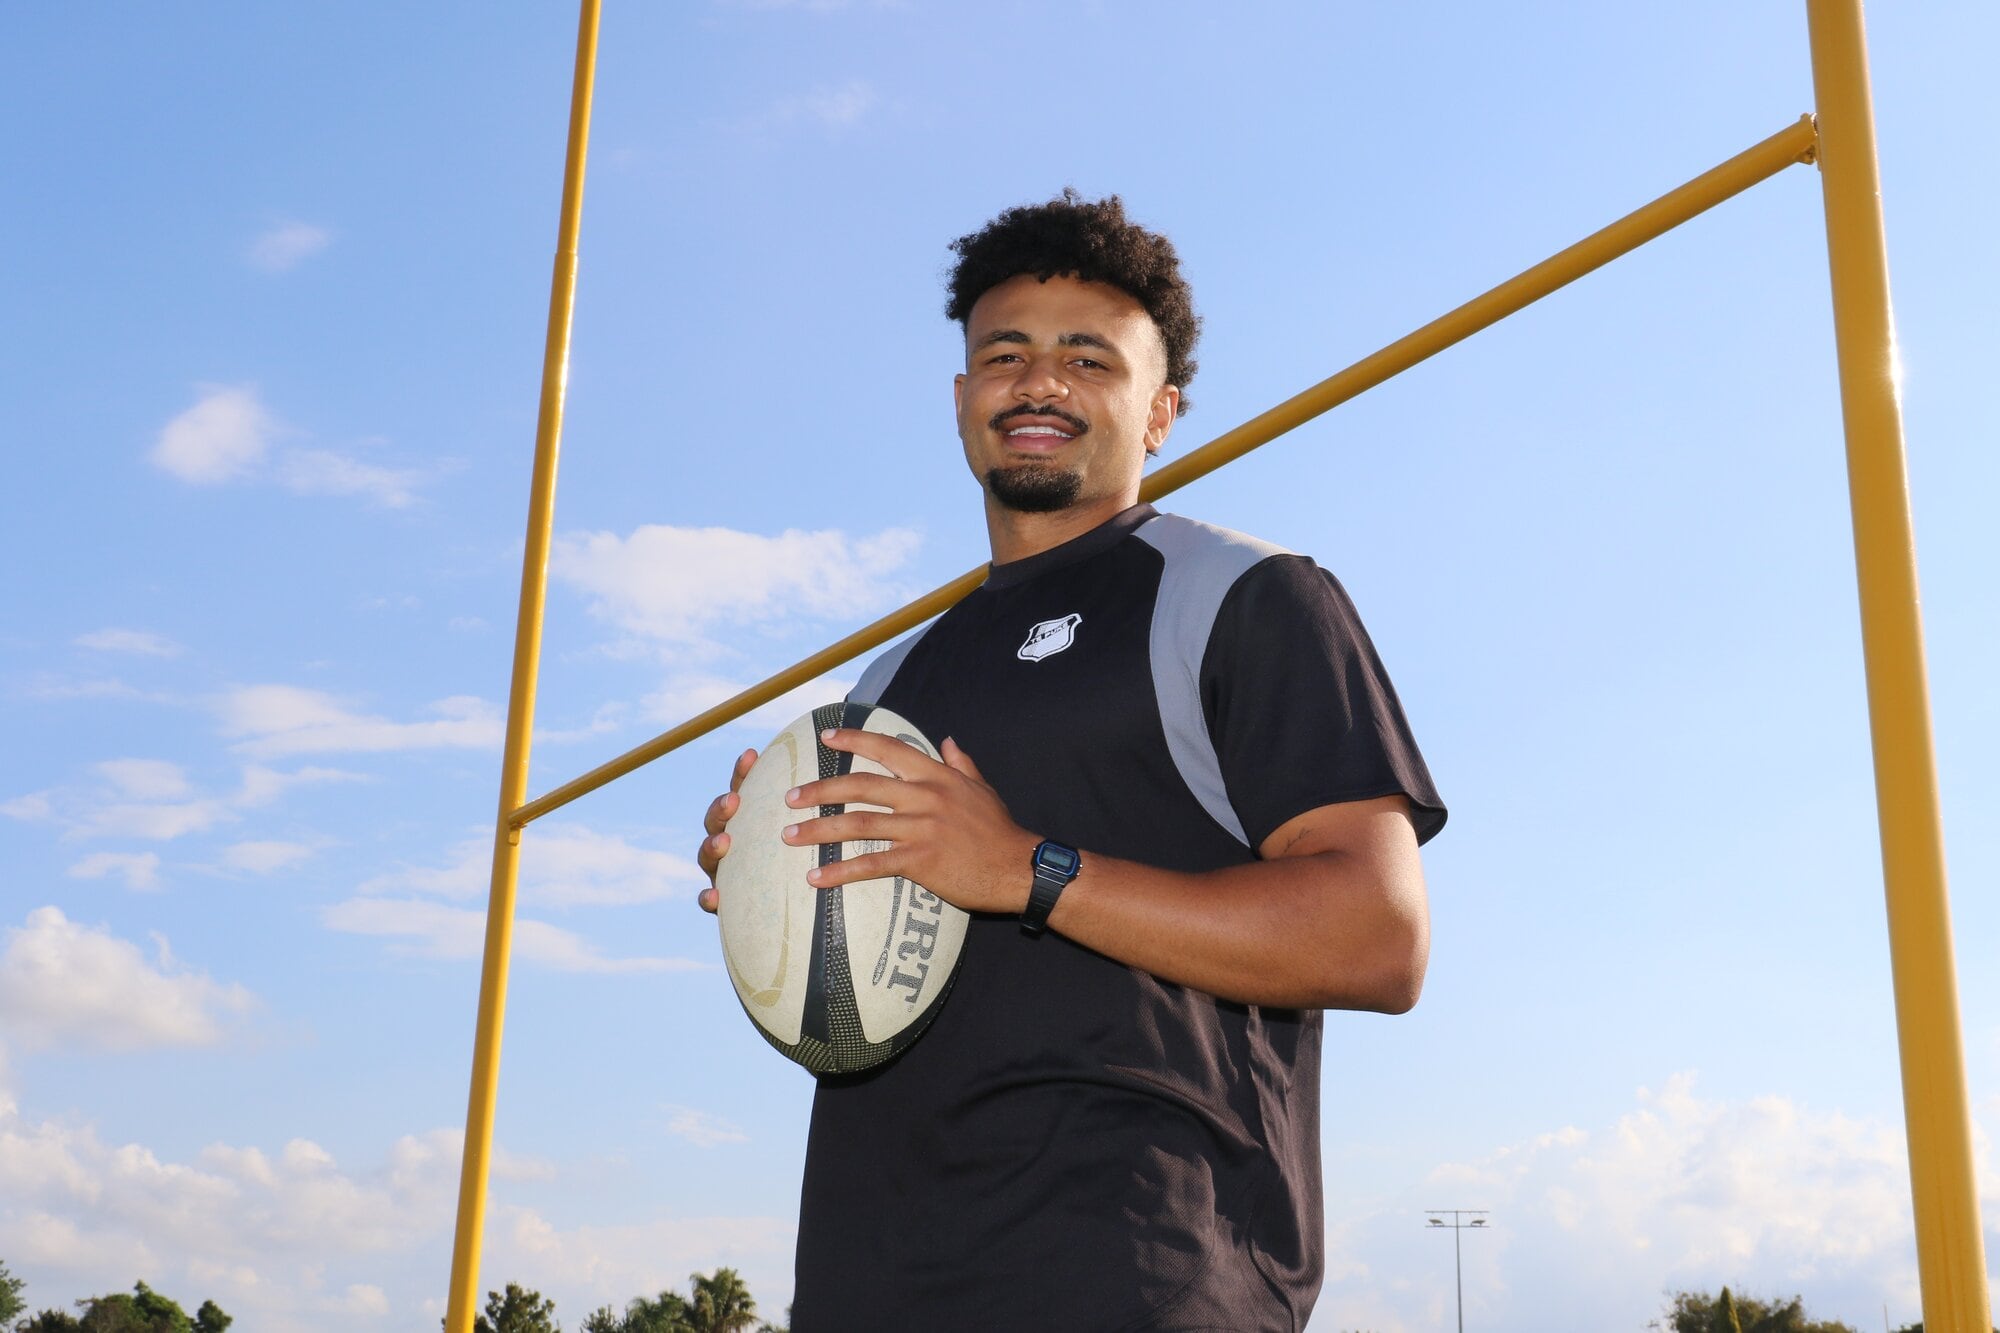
x: 1064, y: 393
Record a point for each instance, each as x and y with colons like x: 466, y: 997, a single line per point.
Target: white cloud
x: 701, y: 1128
x: 607, y: 718
x: 225, y: 435
x: 158, y: 821
x: 229, y: 436
x: 562, y: 865
x: 56, y: 689
x: 810, y: 6
x: 35, y: 805
x: 830, y: 107
x: 689, y: 696
x: 657, y: 587
x: 287, y: 719
x: 140, y: 870
x: 660, y: 583
x: 365, y: 1299
x: 433, y: 930
x: 262, y: 785
x: 142, y: 642
x: 261, y: 858
x: 255, y: 1229
x: 61, y: 982
x: 593, y: 1265
x: 150, y: 798
x: 1767, y: 1194
x: 836, y: 106
x: 292, y: 1239
x: 154, y: 799
x: 146, y: 779
x: 286, y: 245
x: 324, y: 472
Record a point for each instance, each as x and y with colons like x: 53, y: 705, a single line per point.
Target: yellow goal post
x: 1840, y: 139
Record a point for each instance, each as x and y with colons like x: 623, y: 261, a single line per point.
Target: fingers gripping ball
x: 837, y: 979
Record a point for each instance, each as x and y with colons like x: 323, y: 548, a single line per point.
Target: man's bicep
x: 1381, y: 828
x: 1359, y: 902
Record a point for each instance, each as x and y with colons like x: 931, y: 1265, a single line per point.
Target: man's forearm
x: 1329, y: 930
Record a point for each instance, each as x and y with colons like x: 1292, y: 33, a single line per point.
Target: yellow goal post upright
x: 1840, y: 138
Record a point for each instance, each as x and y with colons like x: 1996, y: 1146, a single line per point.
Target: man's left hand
x: 946, y: 827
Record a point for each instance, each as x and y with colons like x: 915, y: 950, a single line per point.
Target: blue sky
x: 273, y: 336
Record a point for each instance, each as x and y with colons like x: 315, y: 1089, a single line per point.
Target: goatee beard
x: 1034, y: 488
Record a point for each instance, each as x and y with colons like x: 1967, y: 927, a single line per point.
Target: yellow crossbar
x: 1792, y: 144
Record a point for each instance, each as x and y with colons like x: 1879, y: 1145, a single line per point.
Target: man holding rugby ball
x: 1180, y: 797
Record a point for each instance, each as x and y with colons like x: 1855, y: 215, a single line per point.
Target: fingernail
x: 812, y: 876
x: 792, y: 796
x: 791, y: 831
x: 827, y: 735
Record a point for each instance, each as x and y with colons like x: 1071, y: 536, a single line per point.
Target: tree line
x: 1726, y: 1312
x: 141, y: 1310
x: 717, y: 1302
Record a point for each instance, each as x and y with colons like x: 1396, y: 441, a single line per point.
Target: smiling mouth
x: 1038, y: 427
x: 1039, y: 433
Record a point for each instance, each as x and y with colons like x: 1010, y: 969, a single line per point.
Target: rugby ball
x: 836, y: 979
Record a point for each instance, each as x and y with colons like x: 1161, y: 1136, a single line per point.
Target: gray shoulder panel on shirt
x: 1202, y: 564
x: 875, y: 680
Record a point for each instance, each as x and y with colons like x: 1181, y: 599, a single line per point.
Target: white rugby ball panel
x: 836, y: 979
x: 767, y: 931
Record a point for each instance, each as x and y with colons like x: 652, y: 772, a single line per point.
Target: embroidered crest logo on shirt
x: 1049, y: 638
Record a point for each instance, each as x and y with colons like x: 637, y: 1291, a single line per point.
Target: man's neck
x: 1013, y: 535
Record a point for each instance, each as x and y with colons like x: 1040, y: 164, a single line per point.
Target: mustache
x: 1077, y: 423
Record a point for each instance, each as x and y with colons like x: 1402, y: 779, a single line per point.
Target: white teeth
x: 1037, y: 430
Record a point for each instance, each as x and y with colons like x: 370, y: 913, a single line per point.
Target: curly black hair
x: 1071, y: 237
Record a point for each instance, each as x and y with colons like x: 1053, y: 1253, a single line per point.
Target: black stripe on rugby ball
x: 831, y: 1040
x: 827, y: 921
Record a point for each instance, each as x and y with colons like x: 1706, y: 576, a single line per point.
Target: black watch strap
x: 1055, y: 866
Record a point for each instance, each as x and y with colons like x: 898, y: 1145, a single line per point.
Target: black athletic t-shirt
x: 1075, y: 1144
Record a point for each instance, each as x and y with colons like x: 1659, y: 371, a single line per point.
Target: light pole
x: 1457, y: 1224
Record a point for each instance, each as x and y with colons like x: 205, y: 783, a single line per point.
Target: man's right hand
x: 717, y: 842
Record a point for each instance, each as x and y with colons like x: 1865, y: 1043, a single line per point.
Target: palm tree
x: 667, y: 1313
x: 722, y: 1303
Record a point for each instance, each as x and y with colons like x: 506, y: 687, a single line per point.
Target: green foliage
x: 142, y: 1311
x: 722, y: 1304
x: 718, y: 1302
x: 1699, y: 1312
x: 1732, y: 1322
x: 112, y: 1314
x: 666, y: 1313
x: 50, y: 1321
x: 517, y: 1310
x: 11, y: 1303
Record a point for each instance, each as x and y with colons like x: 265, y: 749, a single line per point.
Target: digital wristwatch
x: 1055, y: 866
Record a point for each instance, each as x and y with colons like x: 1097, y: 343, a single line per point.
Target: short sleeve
x: 1298, y: 706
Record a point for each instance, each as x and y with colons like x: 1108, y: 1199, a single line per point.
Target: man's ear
x: 1160, y: 420
x: 957, y: 394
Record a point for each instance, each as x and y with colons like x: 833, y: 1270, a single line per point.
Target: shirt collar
x: 1100, y: 538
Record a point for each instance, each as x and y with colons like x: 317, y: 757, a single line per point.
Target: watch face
x: 1054, y: 856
